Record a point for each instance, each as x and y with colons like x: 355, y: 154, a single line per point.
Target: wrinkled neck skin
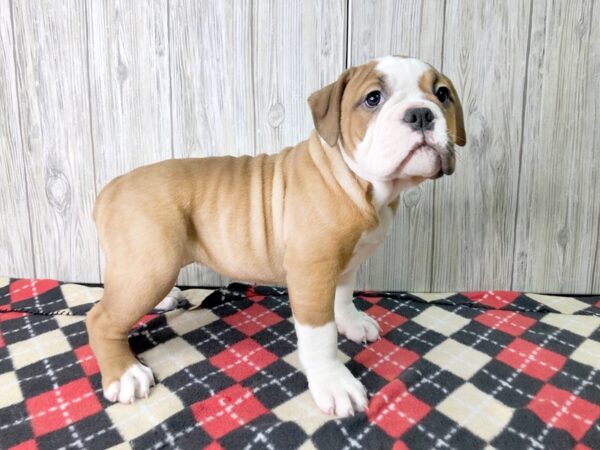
x: 332, y: 164
x: 384, y: 190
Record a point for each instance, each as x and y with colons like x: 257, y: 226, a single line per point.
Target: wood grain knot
x: 412, y: 197
x: 276, y: 114
x: 563, y: 237
x: 122, y: 72
x: 58, y: 190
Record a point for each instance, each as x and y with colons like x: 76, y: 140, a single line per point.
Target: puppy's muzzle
x: 448, y: 161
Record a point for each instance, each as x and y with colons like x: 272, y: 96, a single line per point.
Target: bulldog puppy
x: 305, y: 217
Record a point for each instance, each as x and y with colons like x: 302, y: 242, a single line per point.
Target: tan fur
x: 292, y: 218
x: 453, y: 114
x: 393, y: 205
x: 342, y: 100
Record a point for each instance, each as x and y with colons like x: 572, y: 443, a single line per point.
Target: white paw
x: 336, y: 391
x: 170, y: 301
x: 135, y: 382
x: 358, y: 326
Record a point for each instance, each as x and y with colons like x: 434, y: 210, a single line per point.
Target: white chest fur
x: 384, y: 192
x: 370, y: 240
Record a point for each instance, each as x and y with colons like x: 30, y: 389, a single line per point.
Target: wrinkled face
x: 396, y: 118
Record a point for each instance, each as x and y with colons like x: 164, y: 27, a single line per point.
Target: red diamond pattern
x: 386, y: 319
x: 495, y: 299
x: 253, y: 319
x: 62, y: 406
x: 243, y: 359
x: 386, y: 359
x: 395, y: 410
x: 507, y: 321
x: 399, y: 445
x: 252, y: 295
x: 26, y: 289
x: 6, y: 316
x: 27, y: 445
x: 87, y: 360
x: 144, y: 320
x: 227, y: 410
x: 535, y: 361
x: 565, y: 410
x: 370, y: 299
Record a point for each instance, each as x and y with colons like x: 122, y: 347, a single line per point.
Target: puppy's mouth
x: 445, y: 156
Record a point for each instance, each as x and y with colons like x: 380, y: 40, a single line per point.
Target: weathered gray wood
x: 559, y: 211
x: 485, y: 52
x: 212, y: 98
x: 98, y: 88
x: 594, y: 76
x: 299, y: 47
x: 129, y: 86
x: 50, y: 40
x: 16, y: 257
x: 412, y: 28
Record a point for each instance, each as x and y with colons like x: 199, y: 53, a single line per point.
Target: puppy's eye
x: 373, y: 99
x: 443, y: 94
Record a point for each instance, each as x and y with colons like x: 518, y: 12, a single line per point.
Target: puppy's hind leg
x: 133, y: 286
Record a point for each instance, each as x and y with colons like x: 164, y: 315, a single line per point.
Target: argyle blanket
x: 451, y: 371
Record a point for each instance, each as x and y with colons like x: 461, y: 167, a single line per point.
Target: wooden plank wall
x: 51, y: 59
x: 90, y: 90
x: 559, y: 202
x: 16, y: 253
x: 485, y: 52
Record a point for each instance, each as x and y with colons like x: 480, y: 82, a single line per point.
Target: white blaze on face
x: 391, y: 148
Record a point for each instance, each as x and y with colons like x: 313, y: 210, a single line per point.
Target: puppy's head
x: 396, y: 118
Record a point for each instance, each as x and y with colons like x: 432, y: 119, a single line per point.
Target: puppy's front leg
x: 356, y: 325
x: 333, y: 387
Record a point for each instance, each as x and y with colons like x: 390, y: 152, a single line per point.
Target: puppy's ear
x: 459, y: 132
x: 326, y: 108
x: 458, y: 127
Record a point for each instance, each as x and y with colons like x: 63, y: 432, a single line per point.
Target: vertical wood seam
x: 523, y: 118
x: 90, y: 122
x: 595, y: 277
x: 348, y: 34
x: 18, y: 99
x: 433, y: 190
x: 443, y: 37
x: 253, y: 78
x: 170, y: 78
x: 421, y: 4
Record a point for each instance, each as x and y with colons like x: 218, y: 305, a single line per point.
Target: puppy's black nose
x: 419, y: 119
